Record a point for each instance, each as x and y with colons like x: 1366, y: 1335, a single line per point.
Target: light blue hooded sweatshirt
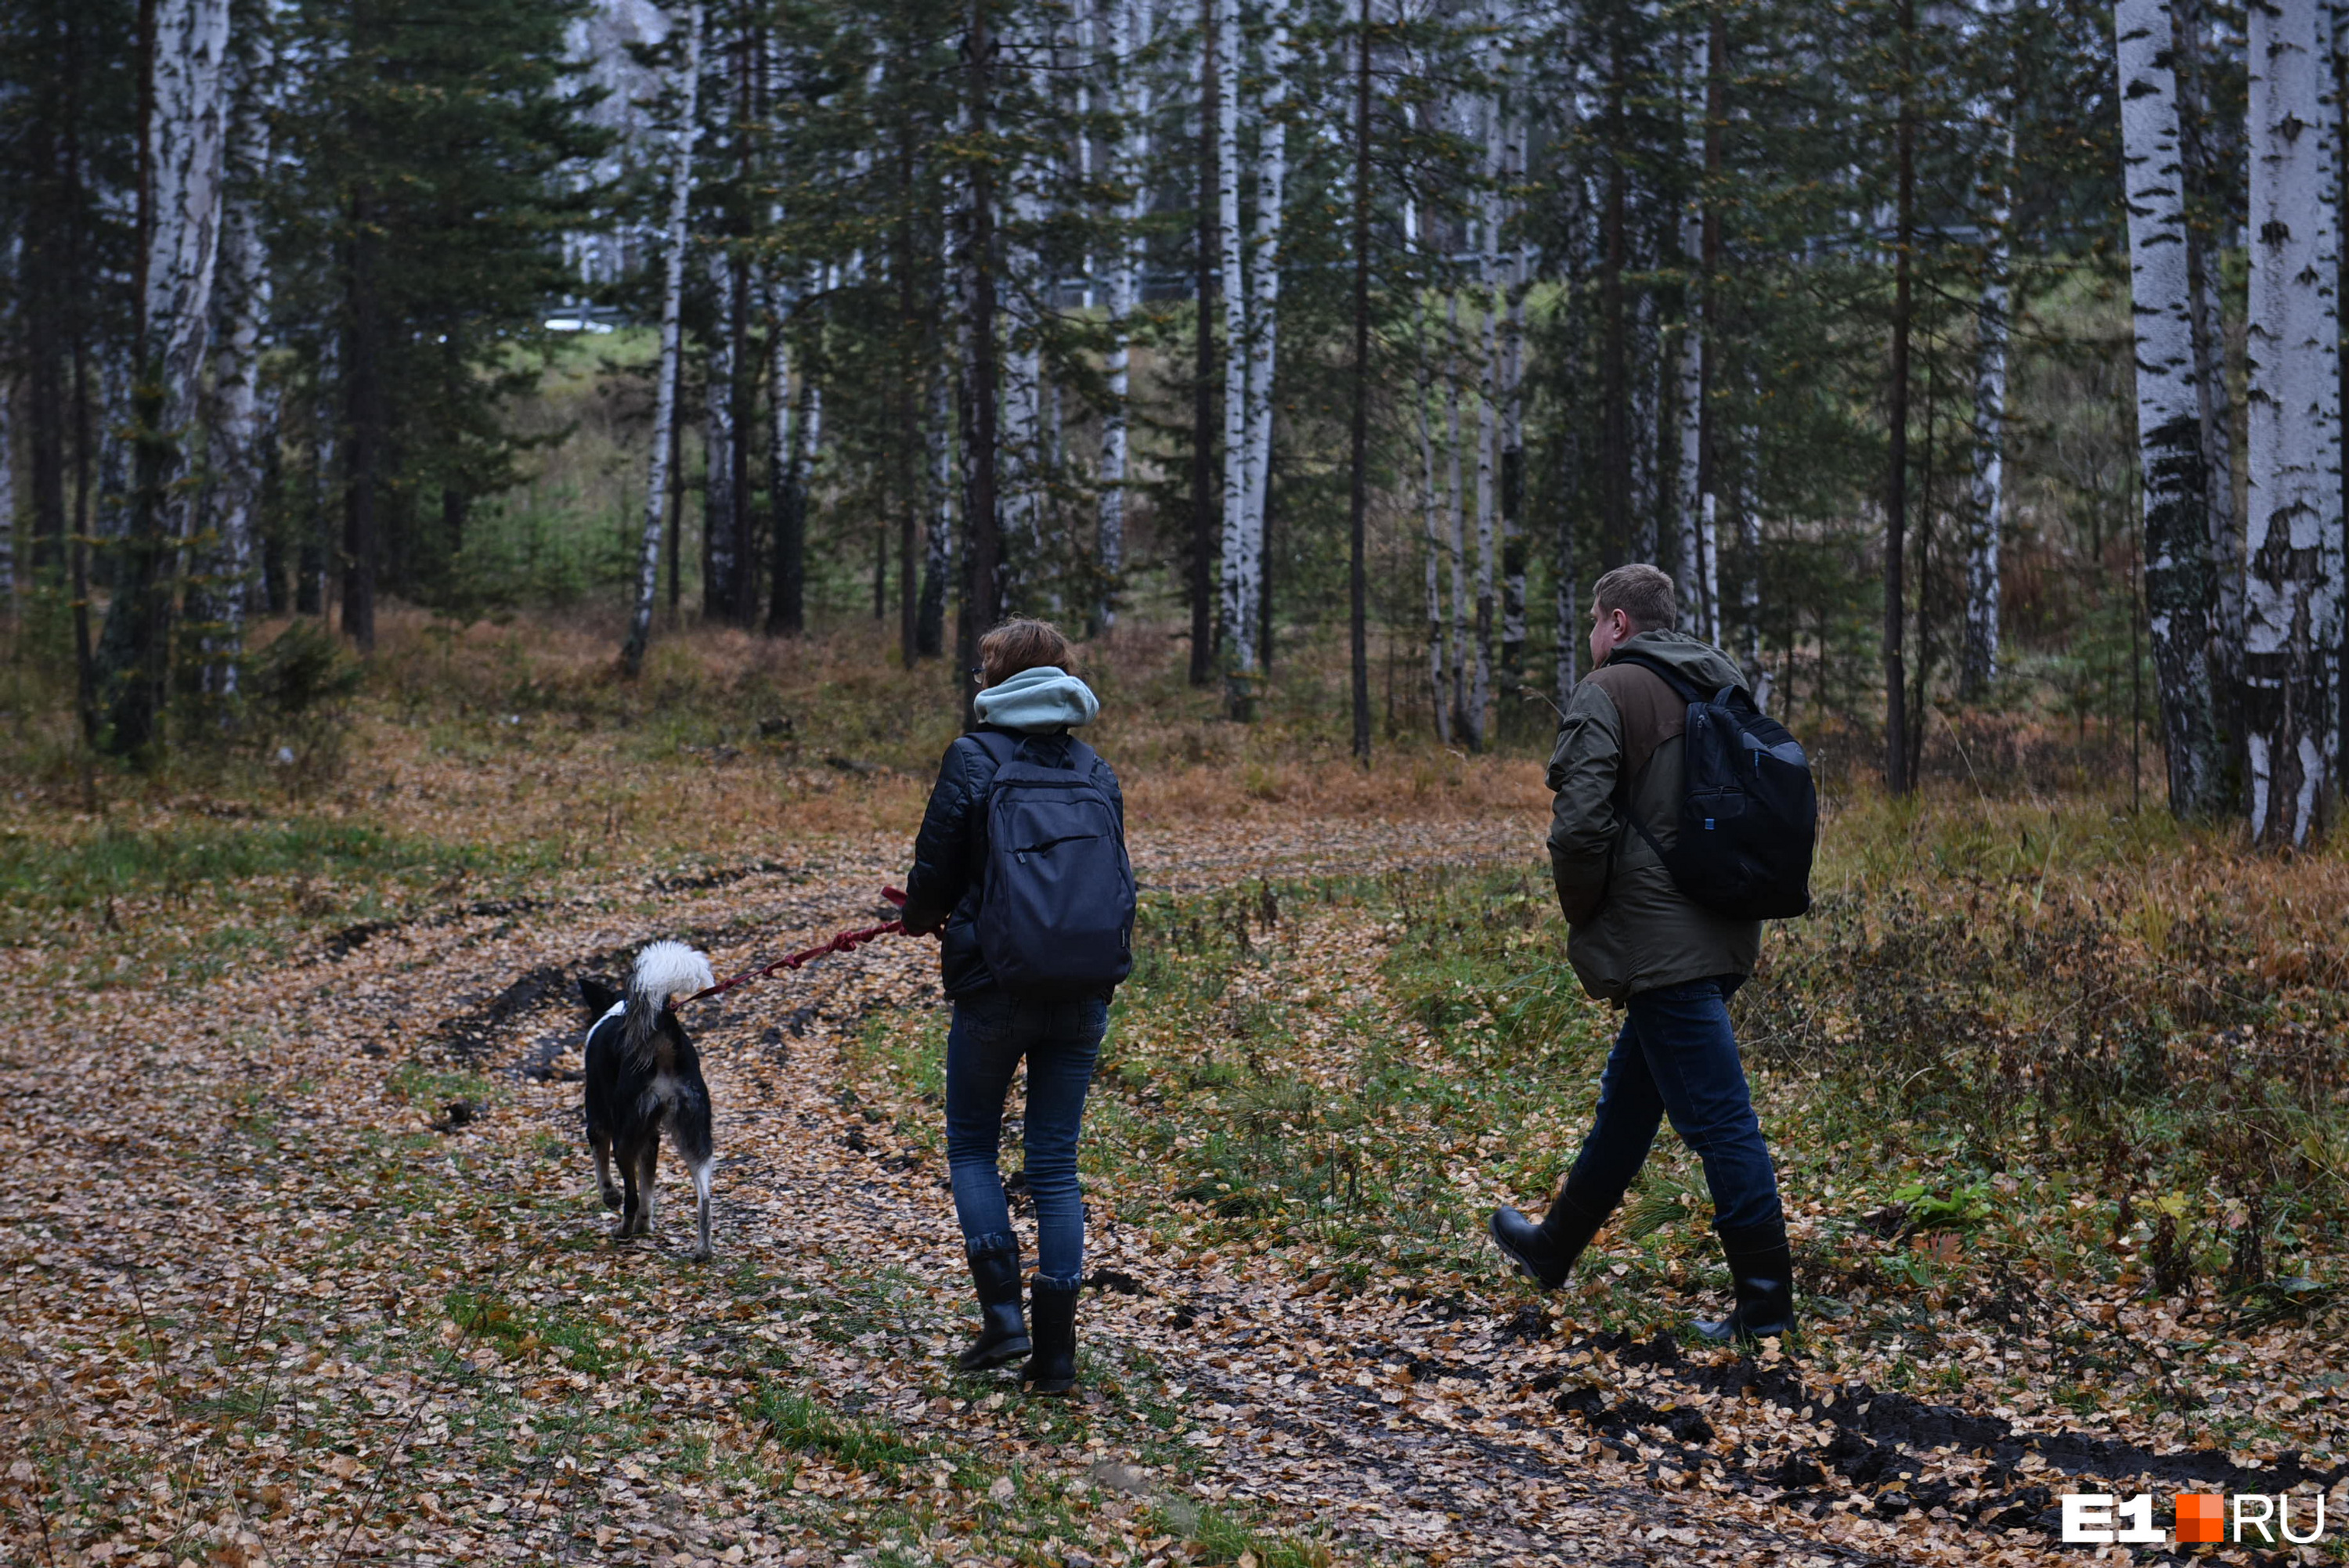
x: 1041, y: 699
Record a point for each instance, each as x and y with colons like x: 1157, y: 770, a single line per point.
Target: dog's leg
x: 602, y: 1144
x: 648, y: 1159
x: 701, y: 1209
x: 632, y: 1211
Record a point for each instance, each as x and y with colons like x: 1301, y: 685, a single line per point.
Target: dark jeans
x: 1677, y: 1057
x: 991, y: 1033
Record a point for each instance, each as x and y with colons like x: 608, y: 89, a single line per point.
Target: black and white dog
x: 644, y: 1077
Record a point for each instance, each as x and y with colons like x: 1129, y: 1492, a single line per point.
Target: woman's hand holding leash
x: 840, y: 944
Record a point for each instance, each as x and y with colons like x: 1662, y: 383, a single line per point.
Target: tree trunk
x: 906, y: 461
x: 1263, y: 321
x: 236, y: 459
x: 1896, y: 482
x: 784, y: 607
x: 1430, y: 505
x: 1709, y: 442
x: 2168, y: 411
x: 1238, y: 628
x: 2293, y: 587
x: 1203, y: 439
x: 1357, y: 504
x: 982, y: 597
x: 718, y: 482
x: 1476, y: 732
x: 1456, y: 517
x: 1516, y: 270
x: 678, y: 234
x: 183, y: 50
x: 1129, y: 154
x: 1978, y: 662
x: 938, y: 555
x: 1614, y: 356
x: 1688, y: 498
x: 7, y: 498
x: 2205, y: 218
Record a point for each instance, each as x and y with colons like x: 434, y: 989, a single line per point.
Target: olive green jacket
x: 1632, y: 928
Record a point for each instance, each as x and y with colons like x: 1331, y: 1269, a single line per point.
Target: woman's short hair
x: 1644, y: 594
x: 1021, y: 645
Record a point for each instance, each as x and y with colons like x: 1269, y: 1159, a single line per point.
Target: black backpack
x: 1056, y: 900
x: 1749, y: 814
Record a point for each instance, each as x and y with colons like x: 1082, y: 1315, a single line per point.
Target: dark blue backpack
x: 1749, y: 813
x: 1056, y: 899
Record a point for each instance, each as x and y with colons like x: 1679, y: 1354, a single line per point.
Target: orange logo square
x: 2201, y: 1516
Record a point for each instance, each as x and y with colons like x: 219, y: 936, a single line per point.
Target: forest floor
x: 304, y: 1266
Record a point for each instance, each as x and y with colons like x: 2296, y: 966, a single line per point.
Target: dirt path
x: 228, y: 1203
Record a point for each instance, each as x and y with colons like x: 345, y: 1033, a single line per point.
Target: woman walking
x: 1021, y: 867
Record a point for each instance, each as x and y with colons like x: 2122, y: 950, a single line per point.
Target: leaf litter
x: 270, y: 1300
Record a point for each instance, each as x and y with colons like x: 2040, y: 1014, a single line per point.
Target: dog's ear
x: 598, y: 996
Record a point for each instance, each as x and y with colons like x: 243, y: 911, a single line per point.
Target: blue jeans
x: 1060, y: 1040
x: 1678, y: 1058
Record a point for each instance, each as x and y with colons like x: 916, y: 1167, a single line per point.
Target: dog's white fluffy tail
x: 667, y: 969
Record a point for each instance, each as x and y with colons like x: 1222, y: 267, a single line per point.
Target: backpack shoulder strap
x: 998, y: 744
x: 1669, y: 676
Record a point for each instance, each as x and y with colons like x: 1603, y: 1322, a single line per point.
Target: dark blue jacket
x: 942, y: 893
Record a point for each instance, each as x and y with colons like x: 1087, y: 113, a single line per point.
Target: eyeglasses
x: 979, y: 674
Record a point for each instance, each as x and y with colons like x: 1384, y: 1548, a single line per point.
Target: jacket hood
x: 1043, y: 698
x: 1695, y: 661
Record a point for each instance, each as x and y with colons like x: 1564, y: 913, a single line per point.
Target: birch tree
x: 1129, y: 33
x: 1238, y: 567
x: 719, y: 479
x: 677, y: 236
x: 185, y: 139
x: 1264, y: 303
x: 1491, y: 308
x: 234, y: 419
x: 1691, y: 506
x: 2292, y: 583
x: 1978, y: 661
x: 2213, y: 399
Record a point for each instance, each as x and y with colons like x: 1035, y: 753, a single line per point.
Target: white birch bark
x: 1456, y: 502
x: 2292, y: 583
x: 1692, y: 510
x: 1492, y: 307
x: 2169, y: 408
x: 188, y: 154
x: 1129, y: 22
x: 680, y: 202
x: 2213, y: 395
x: 1648, y: 371
x: 1978, y: 663
x: 1239, y: 617
x: 938, y: 554
x: 1513, y: 412
x: 1429, y: 495
x: 235, y: 424
x: 717, y: 450
x: 1264, y: 303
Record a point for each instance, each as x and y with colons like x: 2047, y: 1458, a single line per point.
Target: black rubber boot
x: 1053, y: 1368
x: 1762, y: 1270
x: 1002, y: 1334
x: 1545, y: 1252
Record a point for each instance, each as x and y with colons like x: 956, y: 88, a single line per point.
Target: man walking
x: 1638, y: 941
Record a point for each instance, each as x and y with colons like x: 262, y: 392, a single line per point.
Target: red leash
x: 840, y: 944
